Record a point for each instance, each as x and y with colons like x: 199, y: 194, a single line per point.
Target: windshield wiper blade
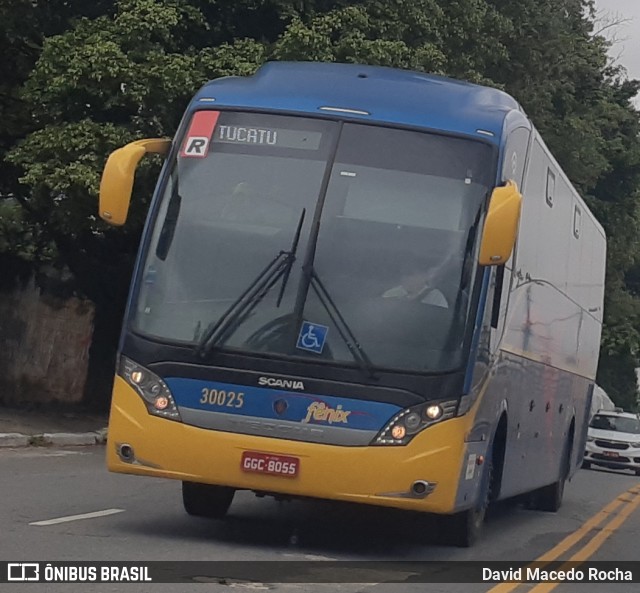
x: 292, y: 251
x: 346, y: 333
x: 218, y: 332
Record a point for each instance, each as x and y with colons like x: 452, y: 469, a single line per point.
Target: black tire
x: 205, y: 500
x: 463, y: 529
x: 586, y: 465
x: 549, y: 498
x: 638, y: 472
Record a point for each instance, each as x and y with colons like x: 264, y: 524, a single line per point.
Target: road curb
x: 57, y: 439
x: 13, y: 439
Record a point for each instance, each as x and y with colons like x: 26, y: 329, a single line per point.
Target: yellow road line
x: 593, y: 545
x: 572, y: 539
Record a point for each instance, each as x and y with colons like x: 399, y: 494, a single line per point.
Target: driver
x: 418, y: 283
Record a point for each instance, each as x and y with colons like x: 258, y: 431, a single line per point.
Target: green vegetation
x: 80, y: 79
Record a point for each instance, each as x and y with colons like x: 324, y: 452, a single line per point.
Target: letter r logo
x: 196, y: 146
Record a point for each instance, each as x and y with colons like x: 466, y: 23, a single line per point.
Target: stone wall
x: 44, y: 346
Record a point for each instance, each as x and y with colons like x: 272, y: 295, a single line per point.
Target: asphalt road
x: 143, y: 520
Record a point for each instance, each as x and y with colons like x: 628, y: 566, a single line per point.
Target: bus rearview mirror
x: 501, y: 225
x: 117, y: 178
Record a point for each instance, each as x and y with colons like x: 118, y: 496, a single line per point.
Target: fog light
x: 398, y: 431
x: 433, y: 412
x: 161, y: 403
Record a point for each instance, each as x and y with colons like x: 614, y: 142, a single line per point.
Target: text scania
x: 321, y: 412
x: 287, y: 384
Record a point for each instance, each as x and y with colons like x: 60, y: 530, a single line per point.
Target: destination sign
x: 275, y: 137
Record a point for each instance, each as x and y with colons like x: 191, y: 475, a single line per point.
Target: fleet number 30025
x: 219, y: 397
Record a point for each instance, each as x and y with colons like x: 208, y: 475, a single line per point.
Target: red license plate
x: 267, y: 463
x: 611, y: 454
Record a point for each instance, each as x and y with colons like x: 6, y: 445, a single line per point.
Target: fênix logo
x: 23, y: 571
x: 321, y: 412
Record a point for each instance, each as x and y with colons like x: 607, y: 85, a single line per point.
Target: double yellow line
x: 617, y: 511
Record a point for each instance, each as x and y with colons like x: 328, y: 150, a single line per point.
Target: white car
x: 613, y: 441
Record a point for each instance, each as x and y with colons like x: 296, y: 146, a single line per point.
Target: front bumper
x: 604, y: 454
x: 375, y: 475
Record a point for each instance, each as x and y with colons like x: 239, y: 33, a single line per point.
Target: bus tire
x: 586, y: 465
x: 205, y: 500
x: 549, y: 498
x: 463, y: 529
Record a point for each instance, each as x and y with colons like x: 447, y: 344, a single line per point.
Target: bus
x: 358, y: 284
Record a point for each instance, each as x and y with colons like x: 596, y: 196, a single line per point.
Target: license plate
x: 267, y: 463
x: 611, y: 454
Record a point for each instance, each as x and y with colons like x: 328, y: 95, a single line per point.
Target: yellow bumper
x: 370, y: 475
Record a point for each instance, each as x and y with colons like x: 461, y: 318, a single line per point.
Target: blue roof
x: 387, y: 94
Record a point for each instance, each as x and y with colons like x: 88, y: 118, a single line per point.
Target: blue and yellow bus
x: 360, y: 284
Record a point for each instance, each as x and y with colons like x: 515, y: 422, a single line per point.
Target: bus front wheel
x: 463, y: 529
x: 205, y: 500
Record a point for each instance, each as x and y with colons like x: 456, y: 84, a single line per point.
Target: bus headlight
x: 433, y: 412
x: 405, y: 425
x: 151, y: 388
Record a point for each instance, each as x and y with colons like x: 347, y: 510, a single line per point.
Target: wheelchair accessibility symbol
x: 312, y: 337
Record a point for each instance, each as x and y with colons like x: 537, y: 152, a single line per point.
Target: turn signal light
x: 161, y: 403
x: 398, y: 431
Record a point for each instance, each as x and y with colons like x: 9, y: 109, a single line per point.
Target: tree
x: 127, y: 70
x: 103, y: 83
x: 559, y: 70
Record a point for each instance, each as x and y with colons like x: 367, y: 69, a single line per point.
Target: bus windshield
x: 372, y: 231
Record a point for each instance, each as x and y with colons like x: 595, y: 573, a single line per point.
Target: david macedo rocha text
x: 536, y: 574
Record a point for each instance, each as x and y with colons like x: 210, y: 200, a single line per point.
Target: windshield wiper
x: 347, y: 335
x: 280, y: 267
